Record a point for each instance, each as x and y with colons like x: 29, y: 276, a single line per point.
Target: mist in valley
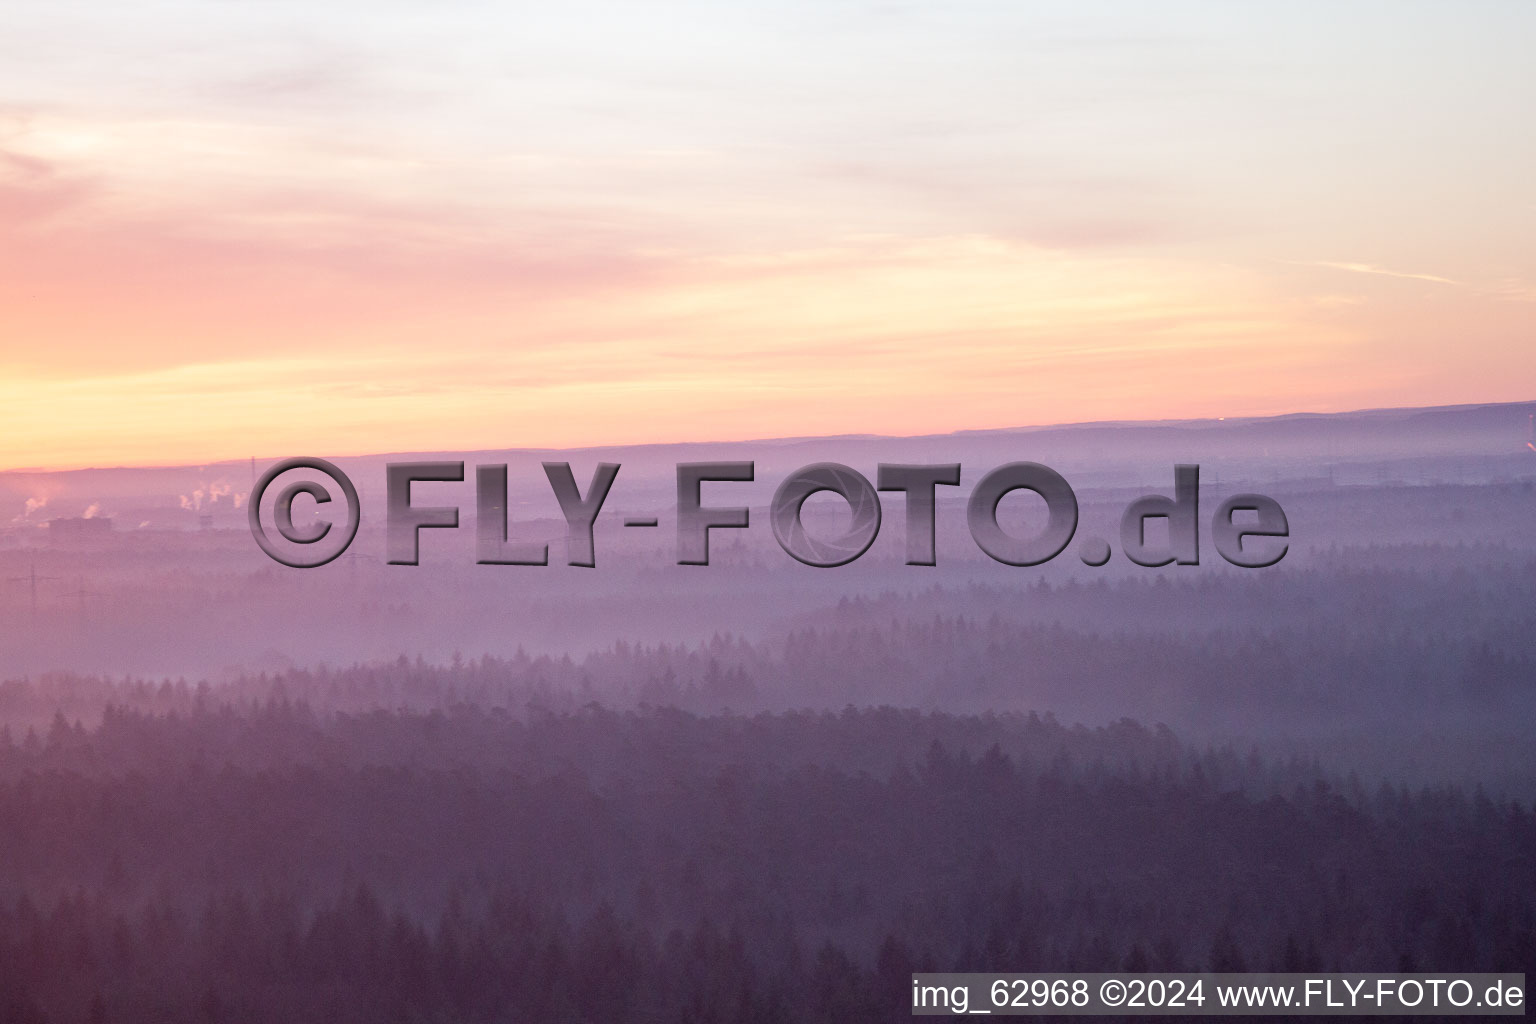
x: 758, y: 789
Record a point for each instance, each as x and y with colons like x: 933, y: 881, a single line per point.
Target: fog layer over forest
x: 757, y: 790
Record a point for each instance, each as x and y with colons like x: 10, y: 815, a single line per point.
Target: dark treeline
x: 1403, y: 672
x: 271, y: 861
x: 1407, y: 646
x: 1456, y: 623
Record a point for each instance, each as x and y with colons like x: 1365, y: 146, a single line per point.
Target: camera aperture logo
x: 1260, y: 539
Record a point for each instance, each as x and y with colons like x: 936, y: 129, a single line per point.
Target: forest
x: 231, y: 792
x: 259, y: 858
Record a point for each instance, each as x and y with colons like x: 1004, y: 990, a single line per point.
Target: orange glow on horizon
x: 913, y: 232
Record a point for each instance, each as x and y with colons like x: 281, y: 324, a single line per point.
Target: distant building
x: 79, y: 530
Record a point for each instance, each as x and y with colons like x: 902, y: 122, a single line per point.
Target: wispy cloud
x: 1371, y: 268
x: 1505, y: 289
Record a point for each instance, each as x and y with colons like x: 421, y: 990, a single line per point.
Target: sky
x: 327, y: 228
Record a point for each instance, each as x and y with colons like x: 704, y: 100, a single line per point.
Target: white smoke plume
x: 34, y: 504
x: 209, y: 493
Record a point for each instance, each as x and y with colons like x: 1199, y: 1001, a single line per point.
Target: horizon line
x: 804, y: 439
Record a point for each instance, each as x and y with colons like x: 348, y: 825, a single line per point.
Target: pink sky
x: 275, y: 229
